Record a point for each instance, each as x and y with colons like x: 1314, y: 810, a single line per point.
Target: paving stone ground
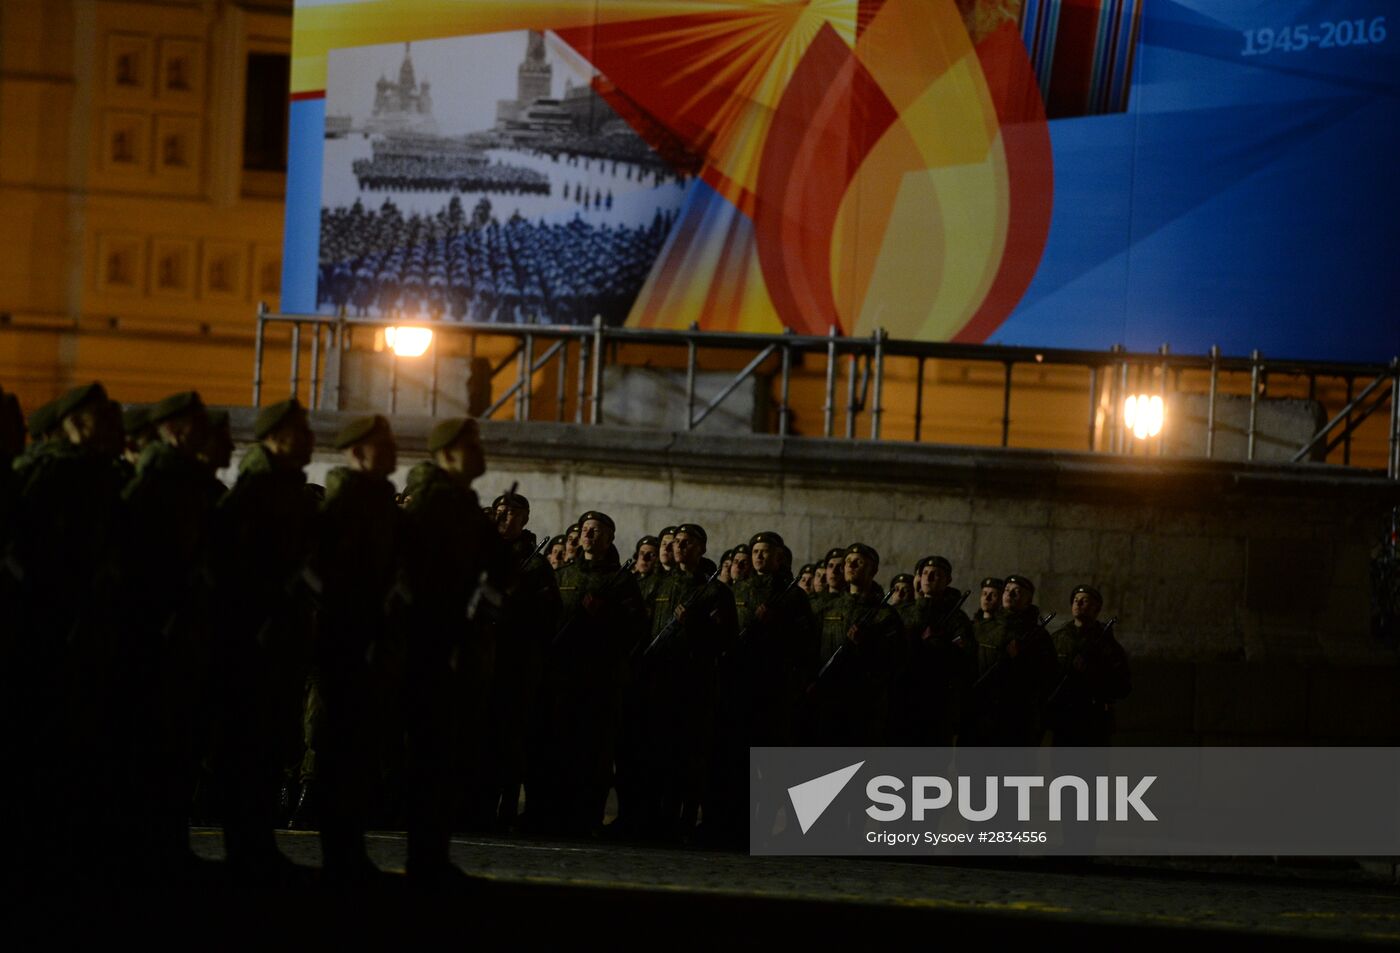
x: 1329, y: 902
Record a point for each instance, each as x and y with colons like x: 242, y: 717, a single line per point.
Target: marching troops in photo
x: 349, y: 657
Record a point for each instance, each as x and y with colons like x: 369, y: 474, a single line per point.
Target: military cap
x: 600, y: 517
x: 741, y: 548
x: 361, y: 428
x: 668, y: 531
x: 648, y: 541
x: 767, y: 536
x: 1097, y: 596
x: 556, y: 541
x: 449, y: 431
x: 272, y: 417
x: 936, y: 561
x: 810, y: 567
x: 693, y: 529
x: 838, y: 552
x: 903, y: 577
x: 867, y: 551
x: 726, y: 556
x: 992, y: 582
x: 173, y: 406
x: 514, y: 500
x: 76, y: 397
x: 218, y: 419
x: 43, y: 420
x: 135, y: 419
x: 1021, y: 581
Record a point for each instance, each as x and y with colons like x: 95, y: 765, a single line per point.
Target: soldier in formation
x: 418, y: 659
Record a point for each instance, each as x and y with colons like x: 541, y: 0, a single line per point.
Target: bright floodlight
x: 1143, y: 415
x: 408, y: 342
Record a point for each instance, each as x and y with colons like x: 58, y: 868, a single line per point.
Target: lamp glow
x: 408, y: 342
x: 1144, y: 415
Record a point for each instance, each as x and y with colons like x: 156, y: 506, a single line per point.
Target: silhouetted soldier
x: 264, y: 532
x: 762, y: 679
x: 356, y: 561
x: 448, y: 545
x: 1093, y: 675
x: 527, y: 621
x: 602, y: 620
x: 161, y: 708
x: 1009, y: 695
x: 57, y: 648
x: 693, y: 623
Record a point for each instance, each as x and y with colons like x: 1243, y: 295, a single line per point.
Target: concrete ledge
x: 1044, y: 474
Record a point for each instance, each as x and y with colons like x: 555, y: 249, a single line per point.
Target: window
x: 265, y: 112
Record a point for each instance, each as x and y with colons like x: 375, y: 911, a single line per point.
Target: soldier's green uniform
x: 762, y: 682
x: 163, y: 703
x: 1093, y: 675
x: 448, y: 545
x: 820, y: 600
x: 528, y: 619
x: 852, y: 691
x: 679, y: 673
x: 58, y: 642
x: 264, y: 532
x: 939, y: 663
x: 1008, y: 698
x: 603, y: 619
x: 357, y: 663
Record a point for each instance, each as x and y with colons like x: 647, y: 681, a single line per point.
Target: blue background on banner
x: 1249, y: 201
x: 1245, y: 201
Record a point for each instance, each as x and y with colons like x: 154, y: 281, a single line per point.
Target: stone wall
x: 1241, y: 591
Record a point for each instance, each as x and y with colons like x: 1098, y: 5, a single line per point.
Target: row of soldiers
x: 419, y: 657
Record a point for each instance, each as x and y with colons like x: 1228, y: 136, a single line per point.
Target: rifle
x: 1040, y: 623
x: 841, y: 649
x: 1107, y: 630
x: 578, y: 610
x: 947, y: 616
x: 675, y: 623
x: 488, y: 593
x: 538, y: 549
x: 739, y: 640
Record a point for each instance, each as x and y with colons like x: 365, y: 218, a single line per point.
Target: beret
x: 1021, y: 581
x: 902, y: 577
x: 810, y: 567
x: 135, y: 419
x: 273, y: 416
x: 43, y: 420
x: 556, y: 541
x: 449, y: 431
x: 572, y: 530
x: 767, y: 536
x: 867, y: 551
x: 992, y: 582
x: 648, y: 541
x: 741, y: 548
x: 76, y: 398
x: 174, y: 405
x: 514, y: 500
x: 693, y: 529
x: 939, y: 561
x: 598, y: 516
x: 668, y: 531
x: 838, y: 552
x: 1098, y: 596
x: 359, y: 429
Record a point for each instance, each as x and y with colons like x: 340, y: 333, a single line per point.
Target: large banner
x: 1056, y: 173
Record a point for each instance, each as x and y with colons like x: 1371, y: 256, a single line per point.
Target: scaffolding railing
x: 867, y: 359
